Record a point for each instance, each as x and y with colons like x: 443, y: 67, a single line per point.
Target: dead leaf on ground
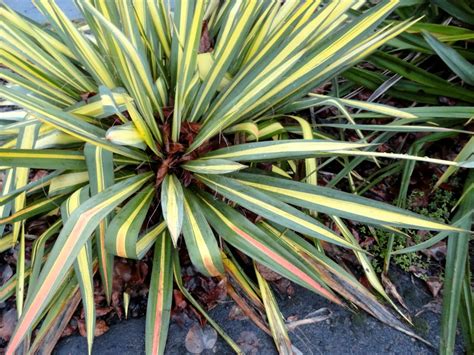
x: 317, y: 316
x: 285, y: 287
x: 392, y: 290
x: 7, y: 324
x: 437, y: 251
x: 249, y: 343
x: 100, y: 328
x: 69, y: 330
x: 102, y: 311
x: 6, y: 273
x: 81, y: 326
x: 434, y: 284
x: 267, y: 273
x: 434, y: 306
x: 236, y: 313
x: 199, y: 339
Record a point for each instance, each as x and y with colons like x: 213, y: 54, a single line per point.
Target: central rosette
x: 175, y: 152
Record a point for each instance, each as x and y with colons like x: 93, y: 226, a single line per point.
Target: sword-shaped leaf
x: 342, y: 204
x: 122, y: 235
x: 213, y: 166
x: 100, y: 166
x: 253, y: 241
x: 68, y: 123
x: 280, y: 150
x: 72, y: 238
x: 83, y: 265
x: 43, y: 159
x: 172, y: 199
x: 274, y: 316
x: 269, y: 207
x: 35, y: 208
x: 200, y: 240
x: 158, y: 310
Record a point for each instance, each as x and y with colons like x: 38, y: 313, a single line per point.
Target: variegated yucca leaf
x: 83, y: 265
x: 159, y: 300
x: 133, y: 128
x: 100, y: 166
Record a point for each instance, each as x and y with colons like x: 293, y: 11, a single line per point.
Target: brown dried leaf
x: 392, y: 290
x: 249, y: 343
x: 102, y: 311
x: 205, y: 45
x: 6, y: 273
x: 179, y: 300
x: 437, y: 251
x: 38, y: 175
x: 7, y: 323
x: 81, y: 326
x: 236, y: 313
x: 434, y: 284
x: 100, y: 328
x: 199, y: 339
x: 69, y: 330
x: 267, y: 273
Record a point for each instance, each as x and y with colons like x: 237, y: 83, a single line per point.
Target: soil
x: 345, y: 332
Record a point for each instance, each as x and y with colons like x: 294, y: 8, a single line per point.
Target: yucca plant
x: 173, y: 127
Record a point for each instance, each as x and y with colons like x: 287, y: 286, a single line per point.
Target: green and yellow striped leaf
x: 213, y: 166
x: 269, y: 207
x: 254, y: 242
x: 172, y: 201
x: 5, y: 209
x: 26, y: 140
x: 100, y: 167
x: 77, y: 43
x: 72, y: 238
x: 342, y: 204
x: 43, y: 159
x: 67, y: 183
x: 122, y: 234
x: 188, y: 17
x: 83, y: 265
x: 34, y: 209
x: 158, y: 312
x: 280, y: 150
x: 200, y: 240
x: 68, y: 123
x: 33, y: 186
x: 126, y: 134
x: 274, y: 316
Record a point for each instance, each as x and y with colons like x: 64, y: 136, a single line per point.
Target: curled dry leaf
x: 284, y: 286
x: 268, y: 274
x: 437, y: 251
x: 434, y: 306
x: 5, y: 273
x: 392, y: 290
x: 434, y: 284
x: 314, y: 317
x: 102, y: 311
x: 199, y: 339
x: 249, y: 343
x: 7, y: 323
x: 236, y: 313
x: 81, y: 326
x: 100, y: 328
